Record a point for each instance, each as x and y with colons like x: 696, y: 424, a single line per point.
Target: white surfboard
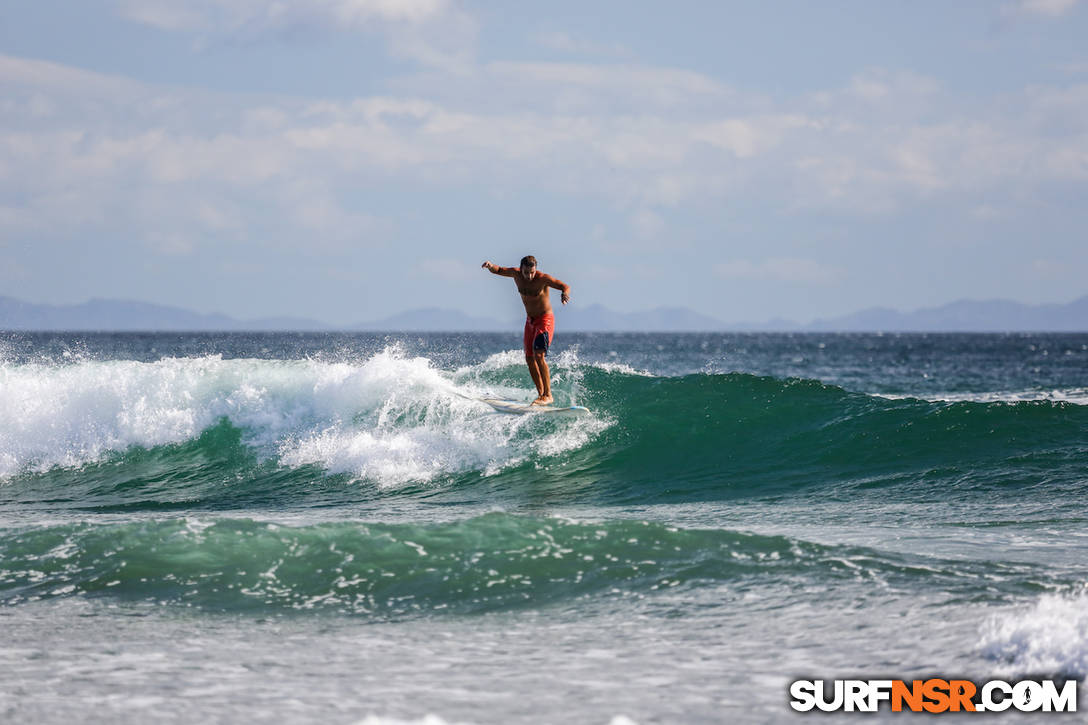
x: 518, y: 408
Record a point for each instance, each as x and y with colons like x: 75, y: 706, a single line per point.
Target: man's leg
x: 545, y: 385
x: 534, y: 371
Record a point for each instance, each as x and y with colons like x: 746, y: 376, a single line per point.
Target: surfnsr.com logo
x: 933, y: 695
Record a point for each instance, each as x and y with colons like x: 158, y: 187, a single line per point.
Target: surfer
x: 539, y: 321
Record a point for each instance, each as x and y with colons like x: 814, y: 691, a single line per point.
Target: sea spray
x: 388, y: 418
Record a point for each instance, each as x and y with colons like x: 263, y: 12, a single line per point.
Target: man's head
x: 528, y: 266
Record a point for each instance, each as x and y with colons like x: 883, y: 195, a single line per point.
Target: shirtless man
x: 539, y: 320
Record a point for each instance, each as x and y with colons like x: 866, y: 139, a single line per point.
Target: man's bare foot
x: 543, y: 400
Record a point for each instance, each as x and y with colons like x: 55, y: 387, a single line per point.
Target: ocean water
x: 327, y: 528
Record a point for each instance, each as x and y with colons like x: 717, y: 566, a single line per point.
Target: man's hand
x: 487, y: 265
x: 565, y: 297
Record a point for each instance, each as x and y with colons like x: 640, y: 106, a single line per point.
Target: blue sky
x: 349, y: 159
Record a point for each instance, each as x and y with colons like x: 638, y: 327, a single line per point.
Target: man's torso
x: 534, y: 295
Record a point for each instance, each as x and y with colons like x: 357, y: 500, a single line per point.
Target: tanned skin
x: 533, y: 286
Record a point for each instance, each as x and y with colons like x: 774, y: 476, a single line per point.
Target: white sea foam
x: 390, y: 418
x: 1075, y: 396
x: 425, y: 720
x: 624, y: 368
x: 567, y: 359
x: 1049, y: 637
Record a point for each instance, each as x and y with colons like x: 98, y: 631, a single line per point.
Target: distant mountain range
x: 968, y: 316
x: 961, y: 316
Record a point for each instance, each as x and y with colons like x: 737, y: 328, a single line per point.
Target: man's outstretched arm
x: 501, y: 271
x: 559, y: 285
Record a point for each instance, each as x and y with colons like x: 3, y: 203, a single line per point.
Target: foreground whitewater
x: 329, y: 527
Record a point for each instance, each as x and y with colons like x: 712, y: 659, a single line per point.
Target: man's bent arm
x: 501, y: 271
x: 559, y: 285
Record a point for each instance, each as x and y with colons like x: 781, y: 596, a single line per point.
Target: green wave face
x: 703, y: 436
x: 491, y: 562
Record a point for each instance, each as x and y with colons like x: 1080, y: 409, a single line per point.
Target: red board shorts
x: 538, y: 333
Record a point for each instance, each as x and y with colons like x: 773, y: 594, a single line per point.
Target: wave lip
x: 1073, y: 396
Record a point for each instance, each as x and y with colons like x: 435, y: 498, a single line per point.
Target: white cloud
x: 564, y: 42
x: 877, y: 86
x: 114, y: 157
x: 869, y: 89
x: 745, y: 138
x: 319, y: 218
x: 262, y: 15
x: 73, y: 144
x: 647, y: 224
x: 1050, y: 8
x: 45, y: 77
x: 779, y: 269
x: 652, y: 84
x: 431, y: 32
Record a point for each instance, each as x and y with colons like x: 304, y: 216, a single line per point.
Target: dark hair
x: 528, y: 260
